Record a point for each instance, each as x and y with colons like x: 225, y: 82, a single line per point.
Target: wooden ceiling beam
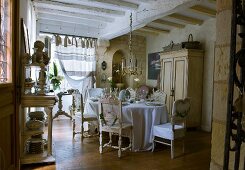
x: 168, y: 23
x: 146, y: 1
x: 186, y: 19
x: 66, y: 20
x: 91, y: 9
x: 140, y: 31
x: 74, y: 14
x: 203, y: 10
x: 118, y: 3
x: 158, y: 30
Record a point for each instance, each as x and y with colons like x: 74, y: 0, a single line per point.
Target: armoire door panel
x: 167, y: 67
x: 182, y: 71
x: 179, y: 82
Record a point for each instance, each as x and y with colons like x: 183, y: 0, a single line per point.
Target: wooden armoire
x: 182, y: 76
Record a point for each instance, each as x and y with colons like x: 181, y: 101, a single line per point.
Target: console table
x: 60, y: 106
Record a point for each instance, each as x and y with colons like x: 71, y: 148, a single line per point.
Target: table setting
x: 142, y: 113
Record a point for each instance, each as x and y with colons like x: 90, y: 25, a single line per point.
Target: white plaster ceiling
x: 110, y: 18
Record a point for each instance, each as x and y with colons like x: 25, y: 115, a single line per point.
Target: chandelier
x: 131, y: 66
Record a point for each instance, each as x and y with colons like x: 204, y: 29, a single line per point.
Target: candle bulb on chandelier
x: 122, y: 64
x: 130, y: 63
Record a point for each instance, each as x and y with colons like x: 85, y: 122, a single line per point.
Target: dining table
x: 142, y: 115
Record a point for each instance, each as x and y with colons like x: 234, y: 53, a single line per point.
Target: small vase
x: 111, y: 89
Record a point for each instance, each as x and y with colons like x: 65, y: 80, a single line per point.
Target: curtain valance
x: 82, y: 42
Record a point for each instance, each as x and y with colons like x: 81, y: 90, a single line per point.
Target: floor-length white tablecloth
x: 142, y: 117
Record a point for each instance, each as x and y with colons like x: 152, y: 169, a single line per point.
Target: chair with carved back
x: 159, y: 96
x: 110, y: 111
x: 78, y: 113
x: 175, y: 129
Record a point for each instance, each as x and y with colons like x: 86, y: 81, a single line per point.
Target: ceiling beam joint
x: 186, y: 19
x: 168, y: 23
x: 203, y: 10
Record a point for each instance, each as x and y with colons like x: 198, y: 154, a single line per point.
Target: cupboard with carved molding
x: 182, y: 76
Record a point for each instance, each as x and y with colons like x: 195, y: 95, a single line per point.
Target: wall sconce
x: 103, y: 65
x: 103, y: 78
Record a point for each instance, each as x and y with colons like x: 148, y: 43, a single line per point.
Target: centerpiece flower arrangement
x: 54, y: 78
x: 112, y: 83
x: 137, y: 82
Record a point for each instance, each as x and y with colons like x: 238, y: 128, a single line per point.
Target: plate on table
x: 94, y: 99
x: 150, y: 100
x: 153, y: 103
x: 125, y: 103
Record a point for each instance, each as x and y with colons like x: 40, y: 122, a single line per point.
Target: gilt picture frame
x: 25, y: 36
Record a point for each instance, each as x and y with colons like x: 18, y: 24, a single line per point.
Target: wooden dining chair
x: 175, y: 129
x: 110, y: 112
x: 79, y: 114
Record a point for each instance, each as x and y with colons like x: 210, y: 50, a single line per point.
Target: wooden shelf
x: 37, y: 158
x: 47, y: 102
x: 43, y: 100
x: 32, y: 65
x: 32, y: 132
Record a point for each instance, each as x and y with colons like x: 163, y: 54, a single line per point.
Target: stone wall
x: 106, y: 52
x: 221, y: 76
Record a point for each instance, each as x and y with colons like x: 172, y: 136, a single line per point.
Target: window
x: 5, y: 42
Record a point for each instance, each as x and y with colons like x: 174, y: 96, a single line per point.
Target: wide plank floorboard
x: 76, y: 155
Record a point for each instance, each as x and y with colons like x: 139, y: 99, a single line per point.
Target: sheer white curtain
x: 76, y: 61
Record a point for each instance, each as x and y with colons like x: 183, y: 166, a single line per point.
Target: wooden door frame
x: 17, y: 85
x: 12, y: 85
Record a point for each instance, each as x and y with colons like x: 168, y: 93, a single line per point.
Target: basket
x: 172, y: 47
x: 190, y: 44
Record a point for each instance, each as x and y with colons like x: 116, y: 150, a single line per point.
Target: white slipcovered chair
x: 94, y: 92
x: 159, y: 96
x: 176, y: 128
x: 78, y: 113
x: 110, y: 111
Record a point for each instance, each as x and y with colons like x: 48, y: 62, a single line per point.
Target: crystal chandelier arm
x: 131, y: 67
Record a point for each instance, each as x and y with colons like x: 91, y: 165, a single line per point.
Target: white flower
x: 136, y: 79
x: 109, y: 78
x: 59, y: 78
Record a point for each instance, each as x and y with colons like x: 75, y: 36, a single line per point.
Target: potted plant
x: 54, y: 78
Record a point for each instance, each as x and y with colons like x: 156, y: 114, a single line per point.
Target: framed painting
x: 154, y: 65
x: 25, y: 37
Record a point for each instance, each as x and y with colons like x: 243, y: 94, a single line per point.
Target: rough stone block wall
x: 221, y: 77
x: 122, y: 44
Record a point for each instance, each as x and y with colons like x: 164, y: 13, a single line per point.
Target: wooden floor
x: 77, y: 155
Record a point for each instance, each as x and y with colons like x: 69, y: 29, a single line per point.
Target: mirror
x: 117, y: 67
